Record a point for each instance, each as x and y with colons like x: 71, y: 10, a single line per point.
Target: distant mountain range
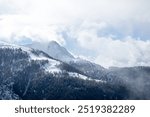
x: 49, y: 71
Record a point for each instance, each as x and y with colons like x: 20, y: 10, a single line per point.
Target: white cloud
x: 67, y: 10
x: 113, y: 52
x: 14, y: 27
x: 124, y: 53
x: 102, y: 27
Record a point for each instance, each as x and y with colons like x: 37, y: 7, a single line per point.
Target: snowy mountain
x: 91, y: 69
x: 27, y: 73
x: 58, y: 52
x: 54, y: 50
x: 52, y: 64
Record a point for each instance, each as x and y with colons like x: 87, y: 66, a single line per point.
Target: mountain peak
x: 53, y: 49
x: 54, y: 43
x: 59, y: 52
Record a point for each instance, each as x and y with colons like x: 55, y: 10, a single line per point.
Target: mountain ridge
x: 28, y: 73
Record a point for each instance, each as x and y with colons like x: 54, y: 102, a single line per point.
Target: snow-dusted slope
x: 4, y: 44
x: 53, y: 49
x: 52, y: 65
x: 27, y: 73
x: 21, y: 66
x: 58, y: 52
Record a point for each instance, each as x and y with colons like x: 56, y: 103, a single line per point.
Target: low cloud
x: 110, y: 50
x: 14, y: 28
x: 112, y: 33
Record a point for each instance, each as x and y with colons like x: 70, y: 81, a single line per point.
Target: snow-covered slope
x: 27, y: 73
x: 58, y: 52
x: 21, y: 66
x: 53, y: 49
x: 12, y: 46
x: 51, y: 65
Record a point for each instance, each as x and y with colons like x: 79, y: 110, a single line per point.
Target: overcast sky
x: 109, y: 32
